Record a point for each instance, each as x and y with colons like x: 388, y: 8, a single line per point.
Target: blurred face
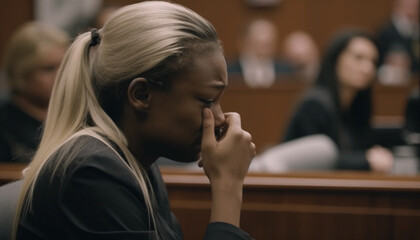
x: 174, y: 120
x: 409, y: 8
x: 261, y: 40
x: 356, y: 64
x: 39, y: 81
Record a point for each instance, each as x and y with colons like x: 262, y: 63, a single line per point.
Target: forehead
x: 362, y: 45
x: 207, y: 70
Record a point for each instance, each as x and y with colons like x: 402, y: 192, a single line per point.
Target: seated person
x: 402, y: 31
x: 396, y: 67
x: 125, y: 95
x: 33, y: 56
x: 339, y: 104
x: 301, y: 51
x: 257, y: 63
x: 412, y: 121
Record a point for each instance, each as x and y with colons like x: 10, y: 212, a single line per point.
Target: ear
x: 138, y: 94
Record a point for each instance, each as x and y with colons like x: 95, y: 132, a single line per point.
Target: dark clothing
x: 412, y: 121
x: 317, y: 114
x: 19, y: 134
x: 98, y: 197
x: 412, y: 113
x: 390, y: 38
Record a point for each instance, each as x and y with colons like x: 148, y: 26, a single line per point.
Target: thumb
x: 208, y: 137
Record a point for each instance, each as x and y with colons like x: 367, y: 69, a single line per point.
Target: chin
x: 185, y: 156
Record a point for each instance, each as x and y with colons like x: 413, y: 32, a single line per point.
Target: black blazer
x: 97, y: 197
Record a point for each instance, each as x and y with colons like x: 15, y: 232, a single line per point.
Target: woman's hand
x: 229, y: 157
x: 380, y: 159
x: 226, y: 162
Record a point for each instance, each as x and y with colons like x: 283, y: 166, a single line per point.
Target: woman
x: 33, y: 56
x: 146, y: 85
x: 339, y: 105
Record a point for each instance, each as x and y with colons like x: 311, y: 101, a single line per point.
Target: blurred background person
x: 301, y: 51
x: 399, y: 43
x: 396, y: 67
x: 258, y: 63
x: 32, y: 58
x: 412, y: 121
x: 339, y: 104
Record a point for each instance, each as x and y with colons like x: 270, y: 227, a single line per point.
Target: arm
x: 226, y: 163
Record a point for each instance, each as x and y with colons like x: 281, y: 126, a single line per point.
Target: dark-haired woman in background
x: 339, y: 104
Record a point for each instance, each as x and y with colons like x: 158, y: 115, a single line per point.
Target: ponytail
x: 74, y: 111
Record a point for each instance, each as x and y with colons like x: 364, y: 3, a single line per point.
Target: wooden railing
x: 299, y: 205
x: 320, y: 205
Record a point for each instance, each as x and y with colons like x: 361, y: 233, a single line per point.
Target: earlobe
x: 138, y: 94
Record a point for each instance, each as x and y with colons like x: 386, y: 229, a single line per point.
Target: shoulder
x: 317, y: 99
x: 94, y: 153
x: 87, y: 155
x: 5, y: 108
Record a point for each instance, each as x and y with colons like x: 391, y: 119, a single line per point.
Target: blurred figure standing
x: 257, y: 62
x: 301, y: 51
x: 399, y: 44
x: 32, y: 58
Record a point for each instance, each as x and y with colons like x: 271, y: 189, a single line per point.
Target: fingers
x: 208, y: 137
x: 254, y: 149
x: 233, y: 120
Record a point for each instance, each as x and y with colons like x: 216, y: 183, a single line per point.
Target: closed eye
x: 207, y: 102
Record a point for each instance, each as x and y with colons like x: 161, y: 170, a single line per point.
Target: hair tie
x: 95, y: 37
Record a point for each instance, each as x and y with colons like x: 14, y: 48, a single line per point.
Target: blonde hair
x: 24, y: 47
x: 152, y: 39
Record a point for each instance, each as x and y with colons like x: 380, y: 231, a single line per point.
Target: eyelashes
x: 207, y: 102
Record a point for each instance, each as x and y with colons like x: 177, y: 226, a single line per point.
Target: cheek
x: 343, y: 70
x: 182, y: 124
x: 40, y: 84
x: 191, y: 120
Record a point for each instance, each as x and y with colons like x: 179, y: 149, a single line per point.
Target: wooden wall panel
x: 13, y: 13
x: 321, y: 18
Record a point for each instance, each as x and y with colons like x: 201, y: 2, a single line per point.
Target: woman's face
x: 40, y: 80
x: 174, y: 118
x: 356, y: 64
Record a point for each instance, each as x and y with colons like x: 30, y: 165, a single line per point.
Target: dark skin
x: 179, y: 123
x: 168, y: 123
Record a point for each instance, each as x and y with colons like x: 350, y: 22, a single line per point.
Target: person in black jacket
x: 339, y: 104
x: 146, y: 85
